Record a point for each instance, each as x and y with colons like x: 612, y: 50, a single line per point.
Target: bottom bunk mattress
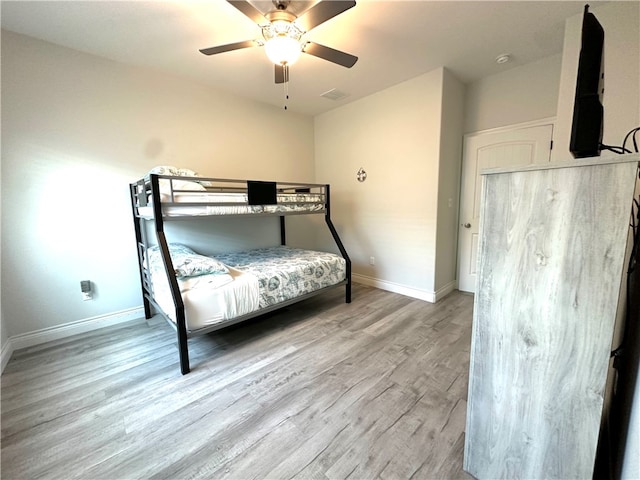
x: 209, y: 299
x: 285, y: 273
x: 253, y: 280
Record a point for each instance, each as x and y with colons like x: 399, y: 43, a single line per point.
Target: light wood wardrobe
x: 552, y: 251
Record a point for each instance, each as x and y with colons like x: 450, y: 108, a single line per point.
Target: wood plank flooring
x: 320, y: 390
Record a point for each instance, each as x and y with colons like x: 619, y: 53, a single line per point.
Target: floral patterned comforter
x: 285, y: 273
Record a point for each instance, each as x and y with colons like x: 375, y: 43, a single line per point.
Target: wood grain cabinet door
x: 552, y: 248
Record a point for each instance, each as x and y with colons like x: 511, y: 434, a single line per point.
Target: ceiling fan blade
x: 279, y: 73
x: 321, y: 12
x: 249, y: 10
x: 330, y: 54
x: 229, y: 47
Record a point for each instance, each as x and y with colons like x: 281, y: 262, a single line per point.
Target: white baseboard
x: 446, y: 290
x: 394, y: 287
x: 5, y: 354
x: 427, y: 296
x: 57, y: 332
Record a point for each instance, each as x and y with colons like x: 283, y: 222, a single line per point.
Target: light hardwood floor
x: 322, y: 389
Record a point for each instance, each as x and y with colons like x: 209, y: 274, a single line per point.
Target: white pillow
x: 186, y: 262
x: 175, y: 171
x: 165, y: 185
x: 180, y: 172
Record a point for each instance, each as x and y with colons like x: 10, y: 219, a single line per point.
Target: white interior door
x: 516, y: 146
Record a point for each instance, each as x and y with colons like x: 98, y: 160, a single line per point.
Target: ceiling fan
x: 283, y: 33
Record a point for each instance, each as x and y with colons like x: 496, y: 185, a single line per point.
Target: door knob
x: 467, y: 225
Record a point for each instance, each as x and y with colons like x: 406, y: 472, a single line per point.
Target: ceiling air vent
x: 334, y: 94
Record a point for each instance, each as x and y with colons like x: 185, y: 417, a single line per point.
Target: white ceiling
x: 394, y: 40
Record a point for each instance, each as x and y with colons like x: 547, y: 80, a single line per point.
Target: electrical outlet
x: 372, y: 260
x: 86, y: 290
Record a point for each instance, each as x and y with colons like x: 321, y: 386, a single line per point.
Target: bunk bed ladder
x: 139, y: 197
x: 336, y: 238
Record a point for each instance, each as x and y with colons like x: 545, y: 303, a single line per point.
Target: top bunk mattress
x: 180, y: 197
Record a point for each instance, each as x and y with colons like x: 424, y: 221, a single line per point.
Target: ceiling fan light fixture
x: 283, y: 50
x: 282, y: 42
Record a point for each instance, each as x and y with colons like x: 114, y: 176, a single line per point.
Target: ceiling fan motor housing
x: 280, y: 16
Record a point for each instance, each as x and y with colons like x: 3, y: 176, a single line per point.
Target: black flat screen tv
x: 586, y: 127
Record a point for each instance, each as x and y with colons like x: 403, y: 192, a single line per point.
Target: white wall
x: 76, y: 129
x: 520, y: 94
x: 4, y: 336
x: 453, y: 96
x: 621, y: 98
x: 395, y: 135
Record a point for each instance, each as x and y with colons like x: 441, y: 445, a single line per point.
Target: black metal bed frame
x: 149, y: 186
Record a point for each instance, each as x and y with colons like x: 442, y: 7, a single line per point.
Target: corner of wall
x: 5, y: 354
x: 451, y: 133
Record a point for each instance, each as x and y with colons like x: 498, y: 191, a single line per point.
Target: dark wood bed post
x: 336, y: 238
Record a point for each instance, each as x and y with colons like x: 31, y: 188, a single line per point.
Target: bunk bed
x: 198, y: 294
